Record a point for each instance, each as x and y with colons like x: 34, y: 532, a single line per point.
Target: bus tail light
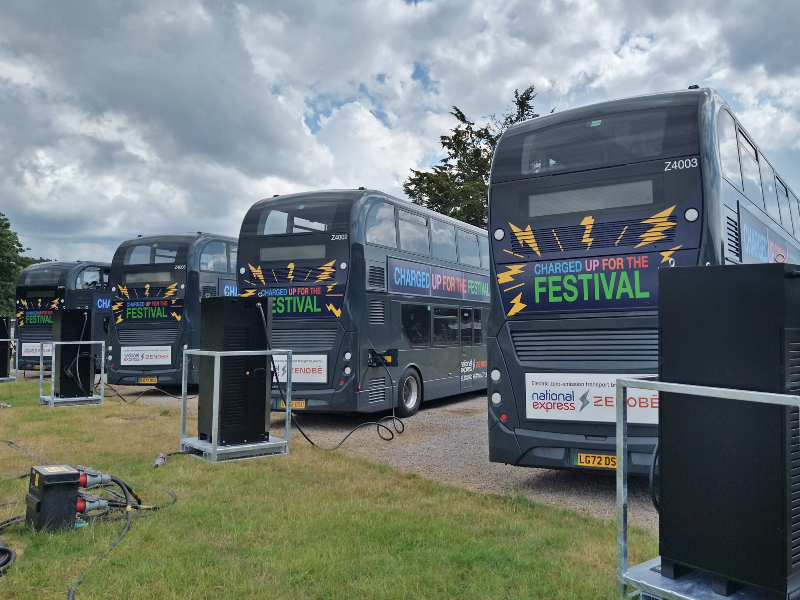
x: 503, y: 417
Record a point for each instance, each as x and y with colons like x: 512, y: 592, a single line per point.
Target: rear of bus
x: 41, y: 289
x: 585, y: 207
x: 296, y: 250
x: 148, y: 328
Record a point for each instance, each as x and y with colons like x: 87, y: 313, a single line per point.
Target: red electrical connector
x: 87, y: 502
x: 92, y: 478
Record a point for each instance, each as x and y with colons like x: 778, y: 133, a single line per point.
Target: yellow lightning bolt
x: 116, y: 307
x: 146, y: 290
x: 54, y: 304
x: 20, y: 313
x: 24, y: 303
x: 525, y: 236
x: 326, y: 271
x: 334, y: 310
x: 516, y: 305
x: 659, y: 224
x: 588, y: 223
x: 176, y: 315
x: 667, y: 254
x: 119, y: 320
x: 171, y: 289
x: 290, y: 276
x: 124, y: 291
x: 248, y: 293
x: 257, y: 273
x: 509, y: 274
x: 40, y: 303
x: 330, y: 287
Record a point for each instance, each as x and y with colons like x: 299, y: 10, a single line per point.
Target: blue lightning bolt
x: 585, y: 400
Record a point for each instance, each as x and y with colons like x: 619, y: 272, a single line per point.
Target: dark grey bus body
x: 155, y: 303
x: 46, y: 287
x: 597, y: 330
x: 353, y: 304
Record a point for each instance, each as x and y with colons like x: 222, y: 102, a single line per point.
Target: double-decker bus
x: 46, y: 287
x: 157, y: 284
x: 585, y: 207
x: 351, y: 271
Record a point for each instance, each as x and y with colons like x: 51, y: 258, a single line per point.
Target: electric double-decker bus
x: 354, y: 271
x: 585, y: 207
x: 46, y: 287
x: 156, y: 287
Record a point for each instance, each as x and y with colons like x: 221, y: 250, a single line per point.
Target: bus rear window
x: 313, y: 216
x: 600, y: 141
x: 150, y: 254
x: 45, y: 276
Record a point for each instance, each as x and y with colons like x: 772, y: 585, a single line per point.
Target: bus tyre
x: 410, y: 393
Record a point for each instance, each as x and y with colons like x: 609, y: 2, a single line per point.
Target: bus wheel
x: 410, y: 393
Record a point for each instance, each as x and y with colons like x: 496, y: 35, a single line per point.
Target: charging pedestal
x: 13, y: 353
x: 212, y: 451
x: 52, y: 400
x: 645, y: 581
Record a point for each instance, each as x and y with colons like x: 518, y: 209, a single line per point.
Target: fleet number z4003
x: 684, y: 163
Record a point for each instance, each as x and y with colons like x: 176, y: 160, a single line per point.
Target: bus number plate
x: 295, y: 404
x: 148, y: 379
x: 603, y: 461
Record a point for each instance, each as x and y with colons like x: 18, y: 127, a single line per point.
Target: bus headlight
x: 496, y: 398
x: 241, y: 271
x: 499, y: 234
x: 343, y: 266
x: 347, y: 370
x: 691, y: 215
x: 347, y: 356
x: 110, y: 348
x: 495, y: 375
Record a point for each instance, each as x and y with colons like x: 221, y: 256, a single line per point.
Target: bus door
x: 467, y: 361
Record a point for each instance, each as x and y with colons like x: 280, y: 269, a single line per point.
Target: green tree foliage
x: 11, y: 263
x: 458, y: 186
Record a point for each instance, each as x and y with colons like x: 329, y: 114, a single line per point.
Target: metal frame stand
x: 53, y: 401
x: 645, y: 579
x: 13, y: 352
x: 211, y: 451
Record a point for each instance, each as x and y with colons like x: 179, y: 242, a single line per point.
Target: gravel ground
x: 448, y: 441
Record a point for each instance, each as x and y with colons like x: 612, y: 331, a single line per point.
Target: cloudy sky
x: 128, y: 117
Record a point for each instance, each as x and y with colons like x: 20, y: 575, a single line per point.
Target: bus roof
x: 177, y: 238
x: 53, y: 265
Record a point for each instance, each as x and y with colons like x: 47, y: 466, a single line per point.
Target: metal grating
x: 209, y: 291
x: 154, y: 335
x: 36, y: 334
x: 376, y: 278
x: 732, y: 228
x: 793, y: 346
x: 377, y: 312
x: 320, y: 340
x: 588, y: 349
x: 233, y: 409
x: 794, y: 486
x: 604, y: 235
x: 377, y: 389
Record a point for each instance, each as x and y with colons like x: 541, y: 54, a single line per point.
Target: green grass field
x: 310, y: 525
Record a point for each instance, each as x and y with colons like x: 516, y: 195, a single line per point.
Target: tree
x: 458, y: 186
x: 11, y: 264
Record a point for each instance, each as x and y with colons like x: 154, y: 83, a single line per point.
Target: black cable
x: 122, y: 534
x: 140, y: 394
x: 15, y: 446
x: 380, y: 426
x: 653, y: 496
x: 7, y: 555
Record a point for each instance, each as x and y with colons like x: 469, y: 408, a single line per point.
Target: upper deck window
x: 414, y: 233
x: 599, y: 141
x: 443, y: 239
x: 381, y: 227
x: 55, y: 275
x: 214, y: 257
x: 726, y: 132
x: 770, y: 193
x: 468, y: 253
x: 484, y: 242
x: 91, y: 279
x: 150, y: 254
x: 304, y: 216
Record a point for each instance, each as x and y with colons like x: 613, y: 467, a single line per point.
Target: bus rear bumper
x: 162, y: 376
x: 548, y: 450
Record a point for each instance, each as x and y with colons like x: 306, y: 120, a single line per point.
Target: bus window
x: 381, y: 228
x: 483, y: 241
x: 783, y: 201
x: 445, y: 326
x: 468, y: 249
x: 234, y: 252
x: 443, y: 240
x: 726, y: 131
x: 214, y: 257
x: 795, y: 207
x: 751, y: 177
x: 770, y: 194
x: 466, y: 327
x: 413, y: 233
x: 149, y: 255
x: 416, y: 324
x: 304, y: 217
x: 477, y: 329
x: 88, y: 279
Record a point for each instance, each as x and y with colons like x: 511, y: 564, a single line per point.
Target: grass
x: 311, y: 525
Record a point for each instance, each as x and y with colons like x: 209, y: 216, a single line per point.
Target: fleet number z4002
x: 684, y: 163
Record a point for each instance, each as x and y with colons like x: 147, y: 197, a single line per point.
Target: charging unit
x: 52, y: 497
x: 6, y: 349
x: 73, y: 368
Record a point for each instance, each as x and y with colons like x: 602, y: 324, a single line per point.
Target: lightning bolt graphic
x: 290, y: 276
x: 585, y: 400
x: 667, y: 254
x: 24, y: 303
x: 334, y: 310
x: 124, y: 291
x: 116, y: 307
x: 20, y: 313
x: 40, y: 303
x: 147, y: 290
x: 171, y: 289
x: 330, y: 287
x: 248, y: 293
x: 516, y: 305
x: 119, y: 320
x: 525, y: 236
x: 508, y: 276
x: 257, y: 273
x: 659, y: 224
x: 326, y: 271
x: 54, y: 304
x: 588, y: 223
x: 176, y: 315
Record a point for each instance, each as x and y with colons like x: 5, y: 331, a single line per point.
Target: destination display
x: 585, y: 397
x: 417, y: 279
x: 148, y: 303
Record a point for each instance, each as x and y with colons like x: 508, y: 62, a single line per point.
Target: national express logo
x: 559, y: 401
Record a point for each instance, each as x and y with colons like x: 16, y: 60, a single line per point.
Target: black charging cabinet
x: 52, y: 498
x: 74, y: 368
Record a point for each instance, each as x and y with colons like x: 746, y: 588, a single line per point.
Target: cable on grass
x: 115, y: 392
x: 15, y: 446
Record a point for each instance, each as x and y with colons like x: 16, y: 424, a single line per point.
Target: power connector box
x: 52, y: 497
